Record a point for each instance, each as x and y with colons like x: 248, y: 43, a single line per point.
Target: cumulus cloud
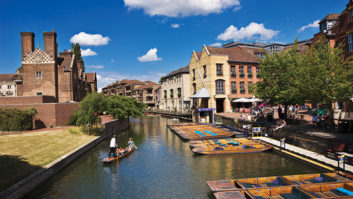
x: 217, y: 44
x: 181, y: 8
x: 105, y: 78
x: 87, y: 52
x: 175, y: 25
x: 151, y: 55
x: 85, y: 39
x: 96, y: 66
x: 250, y: 32
x: 315, y: 24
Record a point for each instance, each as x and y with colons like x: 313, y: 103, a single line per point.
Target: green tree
x: 280, y: 74
x: 76, y: 50
x: 121, y: 107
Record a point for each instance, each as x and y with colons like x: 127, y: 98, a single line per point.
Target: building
x: 175, y: 91
x: 45, y: 73
x: 144, y: 92
x: 9, y: 84
x: 220, y: 75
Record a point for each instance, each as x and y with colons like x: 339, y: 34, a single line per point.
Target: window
x: 249, y: 68
x: 179, y: 92
x: 8, y: 86
x: 165, y: 94
x: 219, y: 69
x: 204, y: 71
x: 241, y: 72
x: 323, y: 26
x: 39, y: 93
x: 194, y: 88
x: 149, y: 91
x: 242, y: 88
x: 258, y: 72
x: 193, y: 74
x: 39, y: 74
x: 350, y: 42
x: 219, y: 87
x: 249, y: 87
x: 171, y: 93
x: 234, y: 87
x: 351, y: 15
x: 233, y: 73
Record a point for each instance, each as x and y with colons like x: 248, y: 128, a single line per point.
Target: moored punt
x: 192, y: 131
x: 250, y: 183
x: 230, y: 195
x: 112, y: 159
x: 337, y: 190
x: 228, y: 146
x: 290, y: 192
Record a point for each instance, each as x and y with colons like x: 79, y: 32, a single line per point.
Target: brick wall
x: 26, y: 100
x: 49, y: 114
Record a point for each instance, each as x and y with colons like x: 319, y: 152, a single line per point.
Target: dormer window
x: 323, y: 26
x: 260, y: 55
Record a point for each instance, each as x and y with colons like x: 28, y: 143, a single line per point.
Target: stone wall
x: 114, y: 126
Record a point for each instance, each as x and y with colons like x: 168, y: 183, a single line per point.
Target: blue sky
x: 145, y: 39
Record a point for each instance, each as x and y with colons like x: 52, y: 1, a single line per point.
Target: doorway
x: 220, y: 105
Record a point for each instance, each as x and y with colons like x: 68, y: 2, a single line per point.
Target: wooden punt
x: 112, y: 159
x: 337, y: 190
x: 228, y: 146
x: 192, y: 131
x: 285, y: 192
x: 251, y: 183
x: 230, y: 195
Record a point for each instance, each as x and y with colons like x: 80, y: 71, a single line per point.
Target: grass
x: 23, y: 154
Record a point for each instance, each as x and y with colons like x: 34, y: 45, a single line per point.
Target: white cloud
x: 175, y: 25
x: 87, y: 52
x: 217, y: 44
x: 181, y: 8
x: 85, y: 39
x: 105, y: 78
x: 315, y: 24
x: 96, y: 66
x: 151, y: 55
x: 252, y: 31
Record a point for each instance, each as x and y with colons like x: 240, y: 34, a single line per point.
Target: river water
x: 163, y: 167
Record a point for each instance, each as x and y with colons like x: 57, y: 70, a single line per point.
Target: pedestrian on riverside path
x: 112, y: 147
x: 279, y: 112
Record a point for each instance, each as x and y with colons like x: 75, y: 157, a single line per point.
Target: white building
x: 8, y: 84
x: 175, y: 91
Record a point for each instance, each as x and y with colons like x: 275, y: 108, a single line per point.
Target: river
x: 163, y: 167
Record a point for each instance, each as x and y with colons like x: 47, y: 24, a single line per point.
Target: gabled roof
x: 182, y: 70
x: 203, y: 93
x: 91, y: 77
x: 38, y: 56
x: 331, y: 17
x: 236, y: 54
x: 151, y: 83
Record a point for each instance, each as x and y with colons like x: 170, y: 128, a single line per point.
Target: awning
x: 246, y: 100
x: 203, y: 93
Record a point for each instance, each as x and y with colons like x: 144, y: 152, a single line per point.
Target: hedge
x: 17, y: 120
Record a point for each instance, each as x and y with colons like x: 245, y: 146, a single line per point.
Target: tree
x: 76, y: 50
x: 280, y: 74
x: 121, y: 107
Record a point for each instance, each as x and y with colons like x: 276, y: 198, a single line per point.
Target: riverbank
x: 34, y: 157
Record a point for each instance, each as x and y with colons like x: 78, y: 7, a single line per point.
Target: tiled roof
x: 150, y: 82
x: 134, y: 82
x: 91, y: 77
x: 10, y: 77
x: 331, y: 17
x: 198, y: 54
x: 178, y: 71
x: 236, y: 54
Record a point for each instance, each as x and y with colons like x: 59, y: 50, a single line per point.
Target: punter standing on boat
x: 112, y: 147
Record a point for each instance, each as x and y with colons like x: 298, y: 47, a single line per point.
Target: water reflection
x: 163, y: 167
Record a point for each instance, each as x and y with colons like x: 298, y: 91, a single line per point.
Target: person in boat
x: 121, y: 152
x: 131, y: 144
x: 113, y: 146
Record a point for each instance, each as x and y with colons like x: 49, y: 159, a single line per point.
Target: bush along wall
x: 17, y: 120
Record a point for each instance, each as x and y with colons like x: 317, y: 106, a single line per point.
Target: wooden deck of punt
x: 109, y: 160
x: 242, y: 184
x: 213, y: 147
x: 193, y: 131
x: 328, y: 190
x: 230, y: 195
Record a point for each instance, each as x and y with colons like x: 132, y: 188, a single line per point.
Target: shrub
x: 17, y: 120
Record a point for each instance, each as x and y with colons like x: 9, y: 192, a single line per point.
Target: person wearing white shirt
x: 112, y: 147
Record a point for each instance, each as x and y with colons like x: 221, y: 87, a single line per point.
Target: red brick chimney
x: 27, y: 42
x: 50, y: 45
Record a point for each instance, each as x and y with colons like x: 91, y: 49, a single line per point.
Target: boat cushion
x: 350, y: 193
x: 339, y: 193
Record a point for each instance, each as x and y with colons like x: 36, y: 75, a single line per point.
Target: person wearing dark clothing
x: 279, y: 112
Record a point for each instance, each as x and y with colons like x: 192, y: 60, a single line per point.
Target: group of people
x: 121, y: 151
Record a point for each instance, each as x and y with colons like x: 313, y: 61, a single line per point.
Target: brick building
x: 144, y: 92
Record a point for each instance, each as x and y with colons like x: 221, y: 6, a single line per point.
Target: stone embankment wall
x: 28, y: 184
